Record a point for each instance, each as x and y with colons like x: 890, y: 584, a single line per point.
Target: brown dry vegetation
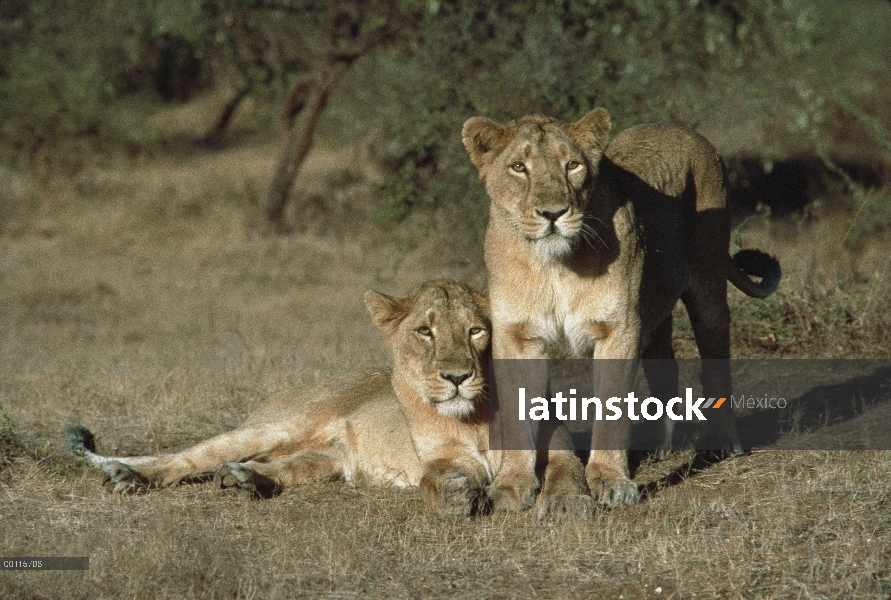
x: 142, y: 297
x: 144, y: 301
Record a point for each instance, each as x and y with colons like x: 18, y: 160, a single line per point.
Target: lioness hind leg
x: 264, y: 479
x: 136, y: 472
x: 661, y: 370
x: 119, y: 478
x: 250, y: 484
x: 563, y: 491
x: 306, y: 466
x: 710, y: 316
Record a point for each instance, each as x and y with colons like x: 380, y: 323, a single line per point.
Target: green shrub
x: 645, y: 61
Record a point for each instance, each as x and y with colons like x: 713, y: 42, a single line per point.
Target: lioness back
x: 665, y: 156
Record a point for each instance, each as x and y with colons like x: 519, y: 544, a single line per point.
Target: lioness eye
x: 573, y: 165
x: 424, y: 331
x: 518, y: 167
x: 475, y: 331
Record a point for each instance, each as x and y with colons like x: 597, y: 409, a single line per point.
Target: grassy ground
x: 144, y: 301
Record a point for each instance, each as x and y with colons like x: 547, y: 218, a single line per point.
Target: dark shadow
x: 197, y: 479
x: 186, y: 146
x: 481, y: 506
x: 811, y: 412
x: 701, y: 462
x: 787, y: 186
x: 264, y: 488
x: 816, y: 409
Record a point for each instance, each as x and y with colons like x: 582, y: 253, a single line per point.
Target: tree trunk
x: 215, y: 134
x: 294, y: 103
x: 299, y: 142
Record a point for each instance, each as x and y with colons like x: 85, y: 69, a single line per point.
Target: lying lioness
x: 423, y: 423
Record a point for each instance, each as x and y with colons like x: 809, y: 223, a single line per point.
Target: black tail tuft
x: 757, y: 263
x: 80, y: 438
x: 748, y: 263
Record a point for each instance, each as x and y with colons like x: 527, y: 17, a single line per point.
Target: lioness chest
x: 559, y: 313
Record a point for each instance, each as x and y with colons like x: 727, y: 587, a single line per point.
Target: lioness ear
x: 482, y: 300
x: 387, y: 312
x: 483, y: 138
x: 591, y: 133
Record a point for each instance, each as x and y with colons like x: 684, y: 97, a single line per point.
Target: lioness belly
x: 375, y: 445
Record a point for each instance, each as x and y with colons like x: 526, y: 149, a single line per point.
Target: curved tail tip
x: 755, y: 263
x: 79, y: 438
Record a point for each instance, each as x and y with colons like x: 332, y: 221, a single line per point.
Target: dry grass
x: 144, y: 302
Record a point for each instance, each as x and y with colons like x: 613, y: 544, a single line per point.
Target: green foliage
x: 645, y: 61
x: 65, y: 61
x: 41, y: 104
x: 427, y: 66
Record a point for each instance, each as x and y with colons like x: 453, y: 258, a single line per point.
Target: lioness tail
x: 79, y: 439
x: 747, y: 263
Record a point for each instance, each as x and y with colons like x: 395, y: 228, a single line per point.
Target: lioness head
x: 439, y: 335
x: 536, y: 170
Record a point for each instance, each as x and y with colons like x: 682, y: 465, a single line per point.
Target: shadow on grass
x: 788, y: 185
x: 812, y: 421
x: 804, y: 423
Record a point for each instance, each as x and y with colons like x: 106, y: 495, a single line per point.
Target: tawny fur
x: 423, y: 423
x: 589, y: 247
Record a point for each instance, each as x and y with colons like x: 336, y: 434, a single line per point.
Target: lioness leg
x: 563, y: 490
x: 515, y: 483
x: 661, y: 370
x: 706, y: 303
x: 306, y: 466
x: 607, y: 469
x: 264, y: 479
x: 452, y: 489
x: 128, y: 474
x: 249, y: 482
x: 608, y: 478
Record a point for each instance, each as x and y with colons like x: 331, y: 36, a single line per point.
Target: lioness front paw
x: 512, y: 494
x: 617, y: 491
x: 118, y: 478
x: 456, y: 497
x: 250, y: 484
x: 557, y: 506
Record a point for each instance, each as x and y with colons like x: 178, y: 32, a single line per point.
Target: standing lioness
x: 589, y: 247
x: 423, y: 423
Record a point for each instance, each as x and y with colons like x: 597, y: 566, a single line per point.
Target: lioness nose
x: 455, y: 377
x: 552, y: 216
